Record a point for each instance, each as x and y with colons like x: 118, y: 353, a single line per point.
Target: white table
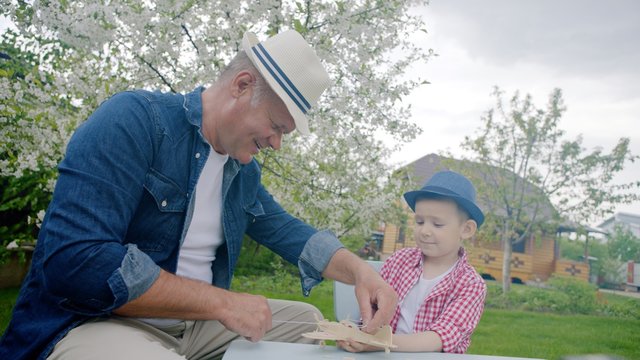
x: 269, y: 350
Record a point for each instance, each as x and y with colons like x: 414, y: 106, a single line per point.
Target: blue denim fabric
x: 119, y: 214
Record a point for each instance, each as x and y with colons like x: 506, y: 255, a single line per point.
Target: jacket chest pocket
x: 157, y: 224
x: 253, y: 211
x: 167, y: 195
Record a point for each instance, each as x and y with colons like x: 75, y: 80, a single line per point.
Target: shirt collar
x: 418, y: 259
x: 192, y: 105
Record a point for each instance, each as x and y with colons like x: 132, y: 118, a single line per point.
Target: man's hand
x: 377, y: 301
x: 376, y: 298
x: 176, y: 297
x: 247, y: 315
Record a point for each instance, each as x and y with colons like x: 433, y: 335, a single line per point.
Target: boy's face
x: 440, y: 228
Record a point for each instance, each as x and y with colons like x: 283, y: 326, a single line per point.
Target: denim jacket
x: 120, y: 211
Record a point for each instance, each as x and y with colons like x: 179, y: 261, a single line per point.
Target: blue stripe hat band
x: 272, y: 66
x: 292, y: 69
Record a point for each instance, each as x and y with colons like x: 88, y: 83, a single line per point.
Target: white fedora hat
x: 292, y: 69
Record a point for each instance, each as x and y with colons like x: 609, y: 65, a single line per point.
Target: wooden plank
x: 390, y: 238
x: 482, y: 258
x: 543, y: 254
x: 492, y: 259
x: 573, y: 269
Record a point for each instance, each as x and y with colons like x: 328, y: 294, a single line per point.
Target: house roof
x: 569, y: 226
x: 423, y: 168
x: 621, y: 217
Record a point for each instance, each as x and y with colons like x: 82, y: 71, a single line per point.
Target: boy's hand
x: 354, y: 346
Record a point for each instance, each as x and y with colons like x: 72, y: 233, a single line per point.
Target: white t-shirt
x: 204, y: 235
x: 414, y: 299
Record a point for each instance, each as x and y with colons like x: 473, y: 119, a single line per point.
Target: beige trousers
x: 123, y: 338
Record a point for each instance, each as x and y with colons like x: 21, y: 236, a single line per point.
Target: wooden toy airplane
x: 343, y: 330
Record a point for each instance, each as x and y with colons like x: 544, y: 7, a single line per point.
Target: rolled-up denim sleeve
x: 315, y: 257
x: 87, y: 265
x: 137, y: 273
x: 134, y: 277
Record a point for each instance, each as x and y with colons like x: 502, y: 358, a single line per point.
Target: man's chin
x: 244, y: 159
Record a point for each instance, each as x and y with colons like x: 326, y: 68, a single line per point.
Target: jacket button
x: 164, y: 203
x: 197, y: 155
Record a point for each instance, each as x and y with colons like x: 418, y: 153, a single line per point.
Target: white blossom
x: 337, y: 178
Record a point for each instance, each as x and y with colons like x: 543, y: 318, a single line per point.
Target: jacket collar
x: 192, y: 105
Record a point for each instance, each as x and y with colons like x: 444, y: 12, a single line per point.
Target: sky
x: 589, y: 49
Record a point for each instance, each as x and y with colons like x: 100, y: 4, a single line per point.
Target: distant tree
x: 573, y: 249
x: 623, y: 245
x: 531, y: 179
x: 603, y: 265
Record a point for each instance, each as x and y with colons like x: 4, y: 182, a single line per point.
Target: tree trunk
x: 506, y: 264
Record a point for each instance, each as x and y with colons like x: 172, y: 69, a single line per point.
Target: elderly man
x: 137, y: 250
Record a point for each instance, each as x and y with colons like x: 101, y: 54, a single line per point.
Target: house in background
x: 628, y: 221
x: 533, y: 260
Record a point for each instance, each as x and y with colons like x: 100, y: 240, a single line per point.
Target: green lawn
x: 7, y: 300
x: 500, y: 332
x: 550, y: 336
x: 518, y: 333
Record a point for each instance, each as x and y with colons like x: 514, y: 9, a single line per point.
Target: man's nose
x: 275, y: 141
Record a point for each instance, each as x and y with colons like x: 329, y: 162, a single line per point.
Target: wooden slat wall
x: 482, y: 258
x: 490, y: 262
x: 391, y: 233
x: 572, y: 269
x: 543, y: 253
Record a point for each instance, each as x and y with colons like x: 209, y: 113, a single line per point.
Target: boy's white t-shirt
x: 204, y: 235
x: 414, y: 299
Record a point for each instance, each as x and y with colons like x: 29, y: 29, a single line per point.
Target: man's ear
x: 469, y: 229
x: 242, y: 83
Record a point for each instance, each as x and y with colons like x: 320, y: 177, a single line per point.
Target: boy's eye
x: 438, y: 225
x: 419, y: 222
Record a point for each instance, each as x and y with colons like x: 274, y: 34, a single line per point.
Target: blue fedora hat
x: 449, y: 185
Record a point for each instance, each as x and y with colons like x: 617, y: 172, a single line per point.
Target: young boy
x: 441, y: 297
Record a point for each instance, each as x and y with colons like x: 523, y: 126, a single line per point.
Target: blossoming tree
x: 531, y: 178
x: 337, y: 178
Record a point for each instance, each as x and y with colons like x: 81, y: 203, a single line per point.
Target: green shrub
x: 21, y: 200
x: 581, y: 295
x: 531, y: 299
x: 562, y: 296
x: 277, y: 276
x: 545, y: 300
x: 257, y: 260
x: 494, y: 297
x: 628, y: 309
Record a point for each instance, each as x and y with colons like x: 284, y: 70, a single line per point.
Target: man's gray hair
x: 241, y: 62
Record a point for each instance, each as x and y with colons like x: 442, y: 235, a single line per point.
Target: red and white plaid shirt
x: 454, y: 306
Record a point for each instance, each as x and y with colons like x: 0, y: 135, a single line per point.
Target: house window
x: 519, y: 247
x: 401, y: 234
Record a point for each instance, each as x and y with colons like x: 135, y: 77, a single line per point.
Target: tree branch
x: 190, y: 38
x: 162, y: 78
